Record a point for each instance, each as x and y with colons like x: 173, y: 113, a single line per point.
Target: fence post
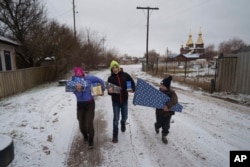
x: 212, y: 86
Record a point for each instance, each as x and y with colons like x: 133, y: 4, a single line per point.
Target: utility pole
x: 103, y: 41
x: 74, y: 18
x: 148, y: 8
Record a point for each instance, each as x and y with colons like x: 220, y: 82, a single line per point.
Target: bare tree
x: 153, y: 58
x: 92, y: 50
x: 18, y: 20
x: 26, y: 22
x: 210, y: 52
x: 111, y: 54
x: 231, y: 45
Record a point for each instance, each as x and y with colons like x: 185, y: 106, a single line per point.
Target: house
x: 7, y: 54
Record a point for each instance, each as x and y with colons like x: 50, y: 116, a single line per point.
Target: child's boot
x: 156, y: 129
x: 115, y: 138
x: 123, y: 127
x: 91, y: 143
x: 164, y: 139
x: 86, y: 138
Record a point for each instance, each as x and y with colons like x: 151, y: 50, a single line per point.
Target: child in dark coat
x: 163, y: 116
x: 119, y: 100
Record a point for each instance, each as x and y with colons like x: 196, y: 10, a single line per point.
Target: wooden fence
x: 13, y: 82
x: 233, y: 73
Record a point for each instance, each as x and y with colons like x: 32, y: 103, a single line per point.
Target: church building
x: 190, y: 47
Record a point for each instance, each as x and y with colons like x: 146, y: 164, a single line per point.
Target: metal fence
x: 12, y: 82
x: 233, y: 73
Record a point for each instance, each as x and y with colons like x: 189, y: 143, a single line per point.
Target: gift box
x: 147, y: 95
x: 128, y: 84
x: 115, y: 89
x: 96, y: 89
x: 70, y: 84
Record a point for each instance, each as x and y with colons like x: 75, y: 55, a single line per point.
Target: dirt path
x: 79, y: 154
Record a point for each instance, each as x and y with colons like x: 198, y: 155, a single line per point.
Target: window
x: 1, y: 67
x: 7, y: 60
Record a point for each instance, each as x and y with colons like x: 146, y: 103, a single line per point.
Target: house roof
x: 8, y: 41
x: 188, y: 57
x: 193, y: 55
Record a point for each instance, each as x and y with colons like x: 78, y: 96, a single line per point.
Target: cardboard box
x: 96, y: 89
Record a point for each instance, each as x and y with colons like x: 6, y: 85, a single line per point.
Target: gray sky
x: 125, y: 27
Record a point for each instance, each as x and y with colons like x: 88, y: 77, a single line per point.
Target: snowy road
x: 202, y: 135
x: 42, y: 123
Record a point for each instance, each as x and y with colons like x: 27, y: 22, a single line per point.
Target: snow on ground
x: 42, y: 123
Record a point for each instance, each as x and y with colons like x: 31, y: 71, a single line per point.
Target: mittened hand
x: 166, y: 108
x: 110, y: 90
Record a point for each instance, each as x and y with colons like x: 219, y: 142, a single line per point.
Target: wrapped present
x: 77, y: 79
x: 115, y: 88
x: 147, y: 95
x: 70, y: 84
x: 128, y: 84
x: 96, y: 89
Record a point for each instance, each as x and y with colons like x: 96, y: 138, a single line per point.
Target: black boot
x: 164, y: 139
x: 91, y: 143
x: 123, y: 127
x: 115, y: 139
x: 156, y: 129
x: 86, y: 138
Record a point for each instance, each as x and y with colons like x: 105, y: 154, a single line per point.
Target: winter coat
x: 85, y: 94
x: 120, y: 80
x: 172, y: 101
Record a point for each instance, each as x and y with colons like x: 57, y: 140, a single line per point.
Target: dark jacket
x: 172, y: 101
x: 120, y: 80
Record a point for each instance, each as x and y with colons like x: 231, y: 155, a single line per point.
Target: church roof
x: 199, y: 40
x: 189, y: 41
x: 192, y: 55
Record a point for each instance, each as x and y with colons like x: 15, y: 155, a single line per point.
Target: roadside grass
x: 197, y: 82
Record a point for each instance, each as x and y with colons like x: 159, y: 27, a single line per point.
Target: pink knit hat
x: 78, y: 71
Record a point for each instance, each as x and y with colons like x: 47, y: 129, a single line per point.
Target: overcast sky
x: 124, y: 27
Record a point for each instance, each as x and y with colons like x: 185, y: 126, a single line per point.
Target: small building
x: 233, y: 72
x: 7, y: 54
